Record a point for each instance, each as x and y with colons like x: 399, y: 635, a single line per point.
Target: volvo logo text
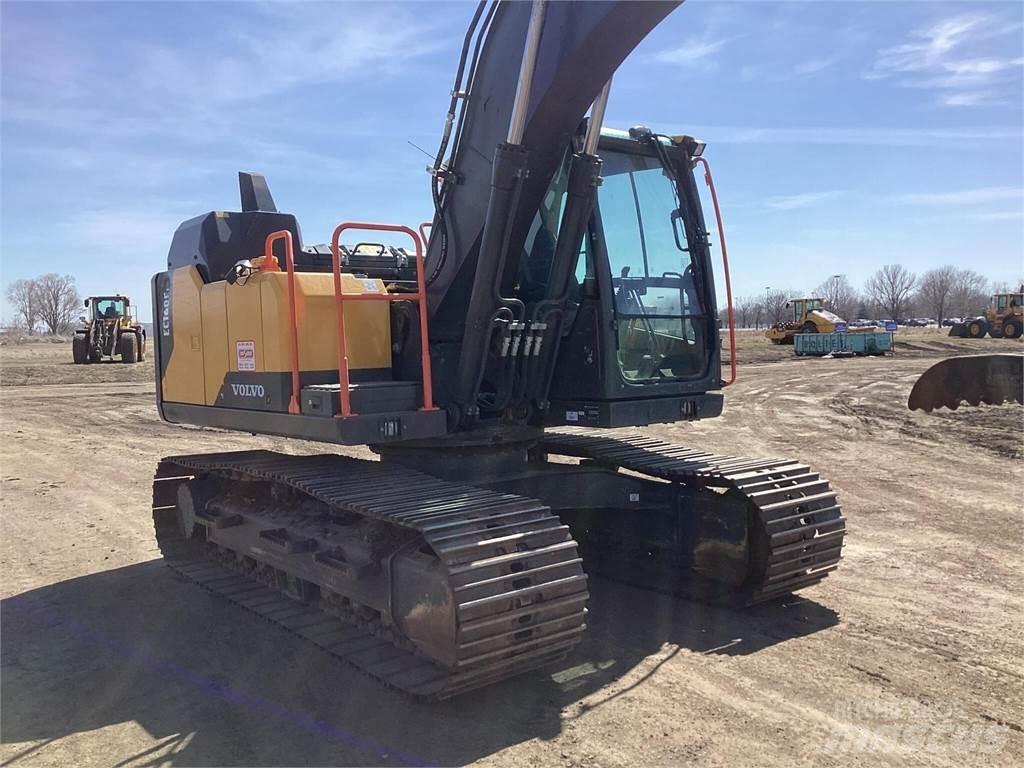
x: 247, y: 390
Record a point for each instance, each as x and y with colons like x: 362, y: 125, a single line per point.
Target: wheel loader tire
x: 142, y: 348
x: 80, y: 350
x: 809, y: 327
x: 129, y: 344
x: 976, y: 329
x: 1012, y: 329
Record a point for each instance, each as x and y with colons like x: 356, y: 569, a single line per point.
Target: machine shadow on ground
x: 215, y: 685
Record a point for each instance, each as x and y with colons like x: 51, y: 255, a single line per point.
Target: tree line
x: 50, y: 302
x: 891, y: 293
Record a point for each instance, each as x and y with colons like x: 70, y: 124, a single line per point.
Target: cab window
x: 108, y: 308
x: 660, y: 321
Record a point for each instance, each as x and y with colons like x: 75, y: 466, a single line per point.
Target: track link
x: 795, y: 514
x: 517, y: 581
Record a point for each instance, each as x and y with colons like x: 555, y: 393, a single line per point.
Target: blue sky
x: 843, y: 136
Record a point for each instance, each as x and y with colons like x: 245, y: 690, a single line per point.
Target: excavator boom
x: 580, y: 46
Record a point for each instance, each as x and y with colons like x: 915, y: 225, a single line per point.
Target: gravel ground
x: 910, y: 654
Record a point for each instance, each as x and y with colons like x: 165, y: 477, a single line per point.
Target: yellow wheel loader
x: 1003, y: 319
x: 109, y: 331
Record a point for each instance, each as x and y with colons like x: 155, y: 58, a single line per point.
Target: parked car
x: 861, y: 322
x: 951, y: 321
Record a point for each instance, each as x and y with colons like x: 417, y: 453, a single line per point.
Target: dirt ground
x: 912, y: 653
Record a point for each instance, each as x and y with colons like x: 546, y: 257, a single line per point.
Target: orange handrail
x: 339, y: 296
x: 289, y: 258
x: 423, y: 232
x: 725, y: 264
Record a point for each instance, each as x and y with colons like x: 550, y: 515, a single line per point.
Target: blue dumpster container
x: 820, y: 344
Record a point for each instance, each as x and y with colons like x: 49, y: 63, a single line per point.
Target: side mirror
x: 87, y: 302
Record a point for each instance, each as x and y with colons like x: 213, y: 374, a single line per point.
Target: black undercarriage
x: 441, y: 587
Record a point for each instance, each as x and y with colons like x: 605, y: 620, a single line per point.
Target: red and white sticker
x: 245, y: 355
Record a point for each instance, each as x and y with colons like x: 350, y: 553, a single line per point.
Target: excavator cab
x: 643, y: 342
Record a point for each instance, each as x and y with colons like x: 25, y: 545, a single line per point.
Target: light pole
x: 767, y: 288
x: 833, y: 300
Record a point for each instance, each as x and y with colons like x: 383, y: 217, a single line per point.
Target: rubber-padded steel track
x: 518, y: 584
x: 795, y: 512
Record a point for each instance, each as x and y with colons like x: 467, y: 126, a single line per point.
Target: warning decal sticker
x: 245, y: 355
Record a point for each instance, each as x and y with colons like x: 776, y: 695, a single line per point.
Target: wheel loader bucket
x: 990, y: 379
x: 959, y: 330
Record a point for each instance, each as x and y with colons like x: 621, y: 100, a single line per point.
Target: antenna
x: 421, y: 149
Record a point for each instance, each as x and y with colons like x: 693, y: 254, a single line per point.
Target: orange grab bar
x: 423, y: 231
x: 419, y: 297
x: 289, y: 257
x: 725, y: 263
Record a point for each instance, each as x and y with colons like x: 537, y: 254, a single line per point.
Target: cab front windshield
x: 660, y: 318
x: 806, y: 305
x: 108, y: 308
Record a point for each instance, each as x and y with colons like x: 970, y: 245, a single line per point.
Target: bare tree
x: 58, y: 301
x: 891, y: 287
x: 841, y: 296
x: 748, y: 311
x: 934, y: 291
x: 24, y: 297
x: 969, y: 295
x: 775, y: 305
x: 865, y: 307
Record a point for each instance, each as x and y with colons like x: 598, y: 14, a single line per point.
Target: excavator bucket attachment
x: 990, y: 379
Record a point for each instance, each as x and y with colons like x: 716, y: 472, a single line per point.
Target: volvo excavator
x: 566, y: 289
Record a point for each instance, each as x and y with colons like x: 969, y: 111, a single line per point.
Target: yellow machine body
x: 1005, y: 315
x: 809, y: 316
x: 219, y: 327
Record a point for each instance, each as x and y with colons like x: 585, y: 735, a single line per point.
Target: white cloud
x: 970, y: 98
x: 961, y: 197
x: 64, y: 81
x: 749, y: 72
x: 691, y: 52
x: 943, y: 56
x: 963, y: 138
x: 813, y: 66
x: 999, y: 215
x: 795, y: 202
